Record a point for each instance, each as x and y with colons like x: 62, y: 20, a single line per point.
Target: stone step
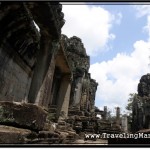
x: 89, y: 130
x: 72, y: 112
x: 48, y: 134
x: 53, y: 106
x: 62, y: 123
x: 52, y: 110
x: 45, y: 141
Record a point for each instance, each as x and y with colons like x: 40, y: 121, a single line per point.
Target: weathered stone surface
x: 22, y: 115
x: 40, y: 68
x: 15, y: 77
x: 12, y: 135
x: 50, y: 126
x: 68, y: 137
x: 47, y: 134
x: 53, y: 19
x: 144, y: 86
x: 90, y: 142
x: 19, y: 31
x: 83, y: 89
x: 141, y: 105
x: 74, y: 112
x: 79, y: 63
x: 28, y: 42
x: 92, y: 124
x: 47, y: 137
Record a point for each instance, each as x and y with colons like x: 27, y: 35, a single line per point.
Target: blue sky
x: 129, y: 31
x: 117, y: 39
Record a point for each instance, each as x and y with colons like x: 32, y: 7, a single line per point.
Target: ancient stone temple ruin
x: 141, y: 105
x: 46, y: 92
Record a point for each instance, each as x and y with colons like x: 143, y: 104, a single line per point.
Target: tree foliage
x: 130, y: 101
x: 129, y: 108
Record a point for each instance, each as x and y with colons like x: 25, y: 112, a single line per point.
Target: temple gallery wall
x: 46, y: 92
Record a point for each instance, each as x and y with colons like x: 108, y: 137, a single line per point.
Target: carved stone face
x: 144, y: 86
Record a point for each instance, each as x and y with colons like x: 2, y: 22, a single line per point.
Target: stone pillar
x: 43, y: 72
x: 44, y: 93
x: 105, y: 112
x: 118, y: 115
x: 40, y: 68
x: 55, y: 89
x: 64, y: 97
x: 77, y: 93
x: 125, y: 123
x: 85, y: 94
x: 83, y: 101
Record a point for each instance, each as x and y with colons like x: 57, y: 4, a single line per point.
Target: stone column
x: 83, y: 101
x: 64, y: 97
x: 118, y: 115
x: 44, y: 93
x: 43, y: 72
x: 77, y: 93
x: 55, y: 87
x: 84, y: 94
x: 105, y: 113
x: 125, y: 123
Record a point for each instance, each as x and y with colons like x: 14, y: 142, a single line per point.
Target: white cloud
x: 147, y: 27
x: 120, y: 76
x: 118, y: 18
x: 92, y: 24
x: 142, y: 10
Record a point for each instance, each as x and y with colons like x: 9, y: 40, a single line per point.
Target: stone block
x: 48, y: 134
x: 63, y: 128
x: 63, y: 123
x: 74, y: 112
x: 12, y: 135
x: 49, y: 127
x: 23, y: 115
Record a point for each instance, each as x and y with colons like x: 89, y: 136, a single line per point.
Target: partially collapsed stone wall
x: 83, y: 87
x: 47, y: 95
x: 43, y: 75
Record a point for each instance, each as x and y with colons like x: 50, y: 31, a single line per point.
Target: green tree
x: 129, y: 108
x: 130, y: 101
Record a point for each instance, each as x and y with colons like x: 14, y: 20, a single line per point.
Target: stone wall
x: 44, y: 77
x: 83, y: 89
x: 29, y: 44
x: 14, y: 80
x: 141, y: 105
x: 18, y: 48
x: 27, y: 54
